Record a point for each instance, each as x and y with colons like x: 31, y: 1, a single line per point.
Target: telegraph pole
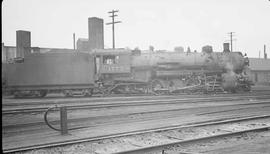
x: 264, y: 51
x: 112, y: 23
x: 74, y: 41
x: 231, y: 39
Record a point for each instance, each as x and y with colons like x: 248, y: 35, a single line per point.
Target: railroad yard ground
x: 209, y: 123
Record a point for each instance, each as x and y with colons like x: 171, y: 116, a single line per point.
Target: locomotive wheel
x: 146, y: 89
x: 68, y: 93
x: 156, y: 87
x: 233, y: 91
x: 17, y: 94
x: 87, y: 92
x: 247, y: 88
x: 42, y: 93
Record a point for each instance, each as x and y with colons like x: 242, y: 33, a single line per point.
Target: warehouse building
x: 10, y: 52
x: 260, y: 70
x: 82, y: 44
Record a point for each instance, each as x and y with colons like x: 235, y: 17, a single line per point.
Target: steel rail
x: 129, y: 103
x: 84, y: 119
x: 205, y: 123
x: 83, y: 99
x: 163, y: 146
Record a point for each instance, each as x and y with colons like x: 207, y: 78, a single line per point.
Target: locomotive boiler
x: 126, y: 71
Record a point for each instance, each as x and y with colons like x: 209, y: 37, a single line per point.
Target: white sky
x: 163, y: 24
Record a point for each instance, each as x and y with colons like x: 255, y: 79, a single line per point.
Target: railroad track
x: 130, y: 103
x: 53, y: 101
x: 154, y: 147
x: 87, y: 121
x: 157, y: 148
x: 158, y: 102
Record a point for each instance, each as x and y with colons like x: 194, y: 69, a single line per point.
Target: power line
x: 112, y: 23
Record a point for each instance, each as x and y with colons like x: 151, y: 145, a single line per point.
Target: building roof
x: 83, y: 39
x: 112, y: 51
x: 259, y: 64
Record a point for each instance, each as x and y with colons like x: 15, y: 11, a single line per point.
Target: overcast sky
x: 163, y: 24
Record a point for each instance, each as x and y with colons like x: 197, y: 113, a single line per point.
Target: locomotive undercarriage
x: 80, y: 92
x: 158, y: 85
x: 195, y: 83
x: 176, y: 85
x: 30, y: 93
x: 124, y: 88
x: 42, y: 93
x: 189, y: 83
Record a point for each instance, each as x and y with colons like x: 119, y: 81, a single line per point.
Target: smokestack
x: 264, y: 51
x: 226, y: 47
x: 95, y: 33
x: 23, y: 43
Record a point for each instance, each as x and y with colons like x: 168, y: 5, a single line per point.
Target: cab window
x: 110, y: 59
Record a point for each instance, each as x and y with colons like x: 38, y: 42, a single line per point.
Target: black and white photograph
x: 135, y: 76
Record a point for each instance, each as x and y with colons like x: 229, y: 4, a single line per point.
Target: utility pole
x: 264, y: 52
x: 231, y: 40
x: 74, y: 41
x: 112, y: 23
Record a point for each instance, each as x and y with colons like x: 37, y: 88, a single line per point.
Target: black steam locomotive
x: 128, y: 71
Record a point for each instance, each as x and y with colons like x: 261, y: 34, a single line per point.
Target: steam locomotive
x: 109, y: 71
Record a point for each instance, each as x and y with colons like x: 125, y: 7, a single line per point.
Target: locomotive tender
x: 128, y: 71
x: 40, y: 73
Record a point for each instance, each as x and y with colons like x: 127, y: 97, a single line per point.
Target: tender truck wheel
x: 87, y: 92
x: 42, y: 93
x: 68, y: 93
x: 17, y: 94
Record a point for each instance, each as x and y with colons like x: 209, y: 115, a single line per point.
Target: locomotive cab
x: 111, y: 65
x: 112, y: 61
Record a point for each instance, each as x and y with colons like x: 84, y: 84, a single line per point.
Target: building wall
x: 260, y: 70
x: 8, y: 52
x: 83, y: 44
x: 260, y: 77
